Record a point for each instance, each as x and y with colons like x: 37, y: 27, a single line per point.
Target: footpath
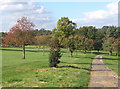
x: 101, y: 75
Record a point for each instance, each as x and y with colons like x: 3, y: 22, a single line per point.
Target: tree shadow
x: 111, y: 58
x: 82, y: 57
x: 99, y: 53
x: 69, y: 66
x: 102, y: 70
x: 76, y: 63
x: 26, y: 50
x: 103, y: 64
x: 83, y: 63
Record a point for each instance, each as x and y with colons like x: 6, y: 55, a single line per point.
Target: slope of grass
x: 35, y: 72
x: 112, y: 62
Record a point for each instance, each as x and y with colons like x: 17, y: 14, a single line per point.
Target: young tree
x: 21, y: 34
x: 70, y: 44
x: 55, y: 53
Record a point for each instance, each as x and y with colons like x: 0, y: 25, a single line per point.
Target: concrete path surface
x: 101, y: 75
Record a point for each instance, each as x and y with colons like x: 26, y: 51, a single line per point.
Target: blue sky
x: 73, y: 9
x: 46, y: 14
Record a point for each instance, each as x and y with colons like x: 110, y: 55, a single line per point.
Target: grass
x: 112, y: 62
x: 35, y: 72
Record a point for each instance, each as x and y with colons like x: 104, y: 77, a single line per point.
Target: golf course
x: 35, y: 72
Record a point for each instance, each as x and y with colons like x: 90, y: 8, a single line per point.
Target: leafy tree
x: 116, y: 46
x: 97, y: 45
x: 83, y: 43
x: 87, y: 44
x: 21, y: 34
x: 98, y: 42
x: 70, y: 44
x: 82, y: 31
x: 110, y: 31
x: 64, y: 29
x: 91, y: 32
x: 87, y: 31
x: 42, y: 41
x: 108, y: 45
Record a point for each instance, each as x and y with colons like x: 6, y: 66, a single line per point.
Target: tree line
x: 65, y: 35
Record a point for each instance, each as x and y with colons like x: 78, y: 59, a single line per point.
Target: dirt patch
x: 42, y: 70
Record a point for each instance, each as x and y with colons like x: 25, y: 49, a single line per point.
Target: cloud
x: 100, y: 18
x: 11, y: 11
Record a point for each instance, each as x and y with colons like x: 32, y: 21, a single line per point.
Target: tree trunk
x: 24, y: 51
x: 110, y: 53
x: 98, y: 50
x: 85, y: 51
x: 43, y: 50
x: 71, y: 54
x: 76, y: 52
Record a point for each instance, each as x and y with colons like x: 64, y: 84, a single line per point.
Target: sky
x: 45, y: 14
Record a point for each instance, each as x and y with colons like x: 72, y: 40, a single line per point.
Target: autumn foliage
x: 21, y: 34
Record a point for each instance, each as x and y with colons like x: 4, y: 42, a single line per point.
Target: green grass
x: 35, y: 72
x: 112, y: 62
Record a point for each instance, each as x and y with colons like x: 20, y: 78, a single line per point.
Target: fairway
x: 34, y: 71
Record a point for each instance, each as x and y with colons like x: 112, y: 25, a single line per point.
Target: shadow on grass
x: 102, y: 70
x: 83, y: 57
x: 94, y: 52
x: 26, y: 50
x: 99, y: 53
x: 30, y: 50
x: 111, y: 58
x: 77, y: 63
x: 73, y: 67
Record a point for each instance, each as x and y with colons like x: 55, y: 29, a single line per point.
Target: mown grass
x: 112, y: 62
x: 34, y: 71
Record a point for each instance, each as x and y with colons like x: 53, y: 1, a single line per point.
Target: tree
x: 42, y: 40
x: 110, y: 31
x: 108, y: 45
x: 21, y: 34
x: 70, y: 44
x: 83, y: 43
x: 87, y: 44
x: 55, y: 53
x: 98, y: 41
x: 116, y: 46
x: 64, y: 29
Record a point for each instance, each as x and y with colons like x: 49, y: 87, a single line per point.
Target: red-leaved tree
x: 21, y: 34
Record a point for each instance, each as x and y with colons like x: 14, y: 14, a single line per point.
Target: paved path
x: 101, y: 75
